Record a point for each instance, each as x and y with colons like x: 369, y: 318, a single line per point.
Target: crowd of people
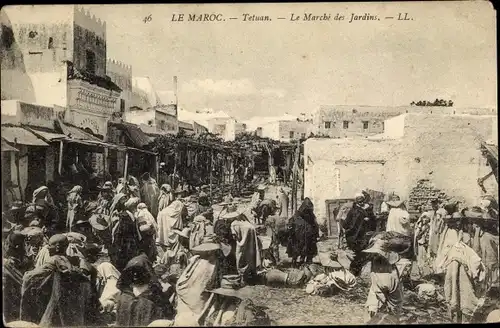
x: 450, y: 241
x: 143, y: 254
x: 137, y: 254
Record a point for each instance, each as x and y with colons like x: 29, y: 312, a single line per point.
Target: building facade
x: 15, y: 81
x: 162, y: 121
x: 187, y: 128
x: 217, y: 125
x: 64, y: 53
x: 121, y: 75
x: 287, y: 131
x: 199, y: 129
x: 350, y: 121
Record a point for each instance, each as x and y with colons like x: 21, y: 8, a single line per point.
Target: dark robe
x: 126, y: 240
x: 357, y: 229
x: 57, y: 294
x: 13, y: 270
x: 304, y: 232
x: 358, y: 232
x: 151, y: 305
x: 222, y: 229
x: 266, y: 208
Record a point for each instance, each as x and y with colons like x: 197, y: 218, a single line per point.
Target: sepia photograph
x: 249, y: 164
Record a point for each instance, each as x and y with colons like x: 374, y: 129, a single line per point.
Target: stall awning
x: 95, y: 144
x: 76, y: 133
x: 142, y: 151
x: 136, y: 135
x: 47, y: 136
x: 22, y: 136
x: 7, y: 147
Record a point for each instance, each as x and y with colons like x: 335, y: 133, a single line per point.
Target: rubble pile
x: 422, y: 195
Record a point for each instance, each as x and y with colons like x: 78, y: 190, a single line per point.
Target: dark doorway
x: 36, y: 169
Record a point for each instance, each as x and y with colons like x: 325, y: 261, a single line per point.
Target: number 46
x: 148, y: 18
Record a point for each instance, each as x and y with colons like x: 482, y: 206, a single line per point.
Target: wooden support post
x: 224, y: 166
x: 17, y: 156
x: 126, y: 166
x: 175, y: 169
x: 211, y: 169
x: 295, y: 178
x: 59, y: 165
x: 157, y: 163
x: 105, y: 161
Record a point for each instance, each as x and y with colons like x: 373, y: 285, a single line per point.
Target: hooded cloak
x: 168, y: 219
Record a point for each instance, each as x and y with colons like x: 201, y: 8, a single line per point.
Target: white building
x: 287, y: 131
x: 121, y: 74
x: 147, y: 110
x: 219, y: 123
x: 159, y: 119
x: 285, y: 128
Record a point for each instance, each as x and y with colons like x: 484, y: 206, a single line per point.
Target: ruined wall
x: 445, y: 150
x: 423, y: 193
x: 441, y: 148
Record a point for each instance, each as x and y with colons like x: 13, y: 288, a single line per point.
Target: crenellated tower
x: 89, y: 41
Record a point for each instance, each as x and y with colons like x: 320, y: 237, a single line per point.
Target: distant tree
x: 436, y: 103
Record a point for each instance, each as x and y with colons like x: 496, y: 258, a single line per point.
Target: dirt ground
x: 290, y: 306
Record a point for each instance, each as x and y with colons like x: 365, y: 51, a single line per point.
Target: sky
x: 271, y: 68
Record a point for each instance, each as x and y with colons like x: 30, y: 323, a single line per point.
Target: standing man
x: 163, y: 175
x: 359, y: 226
x: 150, y: 193
x: 239, y: 175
